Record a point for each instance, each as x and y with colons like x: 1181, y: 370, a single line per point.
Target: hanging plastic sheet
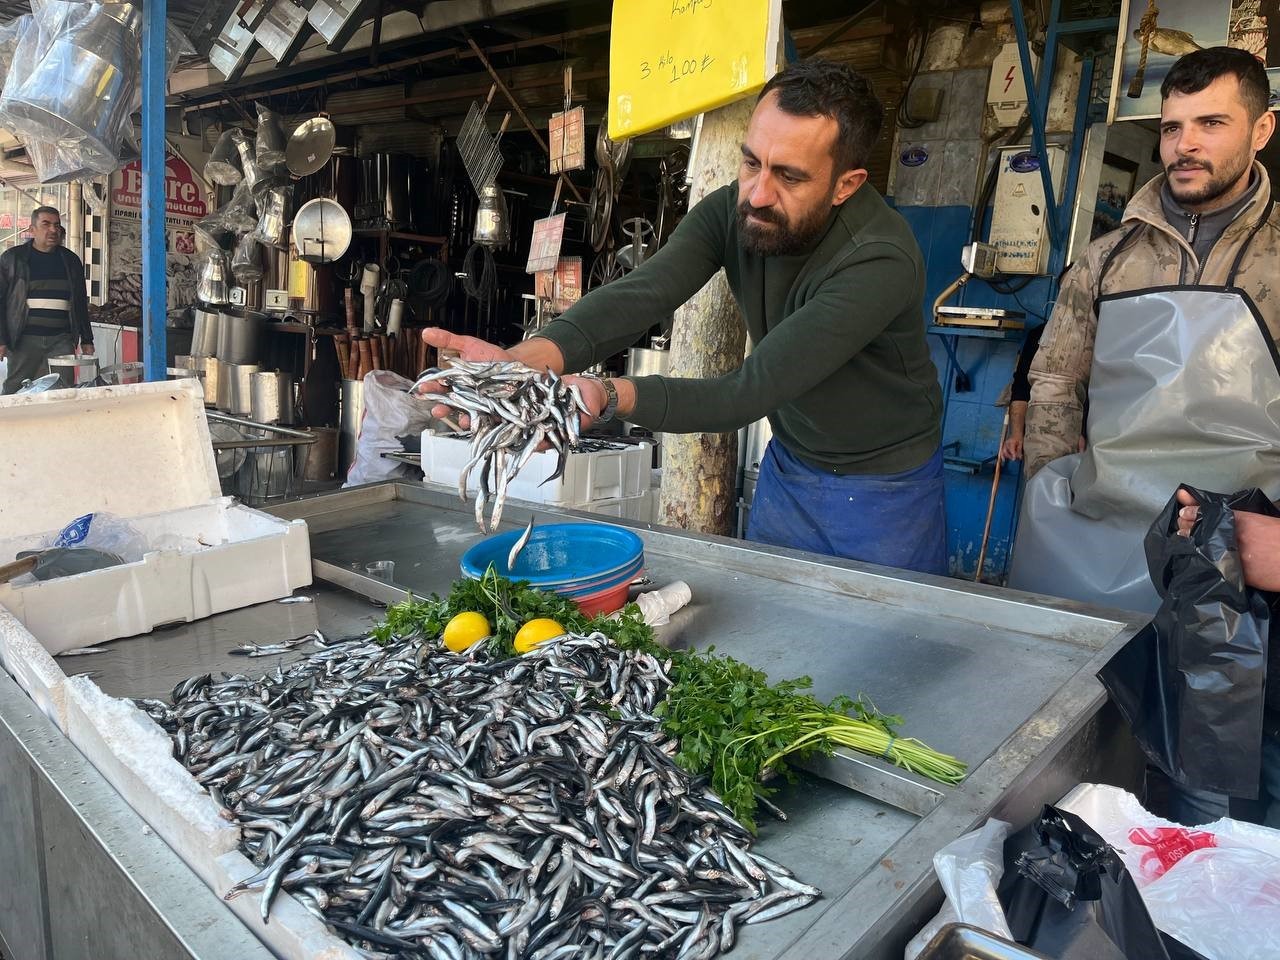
x: 1192, y: 683
x: 271, y: 143
x: 223, y: 165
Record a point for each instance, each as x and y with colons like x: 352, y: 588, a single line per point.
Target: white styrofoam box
x: 135, y: 756
x: 641, y: 508
x: 588, y: 475
x: 36, y: 672
x: 141, y: 452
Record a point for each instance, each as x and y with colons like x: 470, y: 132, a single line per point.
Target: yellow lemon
x: 535, y: 632
x: 464, y: 630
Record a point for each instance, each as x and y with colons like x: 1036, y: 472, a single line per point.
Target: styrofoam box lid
x: 132, y: 449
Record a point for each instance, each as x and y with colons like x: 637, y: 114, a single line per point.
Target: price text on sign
x: 672, y: 59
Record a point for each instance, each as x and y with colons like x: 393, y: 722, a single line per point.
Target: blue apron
x: 898, y: 520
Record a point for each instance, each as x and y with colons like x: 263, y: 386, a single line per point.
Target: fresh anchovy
x: 295, y: 600
x: 80, y: 651
x: 513, y: 410
x: 273, y: 649
x: 433, y: 804
x: 519, y: 545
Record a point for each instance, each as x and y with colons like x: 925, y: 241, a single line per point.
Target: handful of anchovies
x: 433, y: 804
x: 513, y: 410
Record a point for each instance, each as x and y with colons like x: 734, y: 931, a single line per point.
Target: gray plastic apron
x: 1185, y: 388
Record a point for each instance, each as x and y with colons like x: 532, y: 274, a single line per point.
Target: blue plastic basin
x: 561, y: 555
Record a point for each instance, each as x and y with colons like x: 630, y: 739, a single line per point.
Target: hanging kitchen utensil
x: 269, y: 148
x: 566, y: 133
x: 321, y: 231
x: 640, y: 243
x: 548, y: 236
x: 310, y: 146
x: 214, y: 285
x: 246, y: 148
x: 222, y: 167
x: 273, y: 217
x: 246, y: 262
x: 480, y: 152
x: 493, y: 223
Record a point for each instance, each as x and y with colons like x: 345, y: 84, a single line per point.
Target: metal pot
x: 214, y: 285
x: 83, y: 88
x: 204, y: 337
x: 493, y: 224
x: 246, y: 262
x: 226, y: 379
x: 240, y: 395
x: 310, y: 146
x: 645, y: 362
x: 321, y: 231
x: 273, y: 218
x: 74, y: 370
x: 349, y: 423
x: 320, y: 460
x: 272, y: 398
x: 213, y: 375
x: 240, y: 337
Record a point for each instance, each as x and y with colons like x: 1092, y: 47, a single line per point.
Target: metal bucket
x: 84, y: 86
x: 74, y: 370
x: 644, y: 362
x: 240, y: 389
x: 272, y: 398
x: 349, y: 423
x: 225, y: 382
x: 204, y: 337
x: 267, y: 474
x: 213, y: 373
x: 240, y: 336
x: 319, y: 461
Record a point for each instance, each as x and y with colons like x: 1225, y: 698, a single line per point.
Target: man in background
x: 44, y: 311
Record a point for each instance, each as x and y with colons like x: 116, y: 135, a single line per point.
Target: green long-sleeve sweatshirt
x: 839, y: 364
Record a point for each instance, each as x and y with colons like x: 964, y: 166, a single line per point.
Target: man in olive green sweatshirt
x: 830, y: 282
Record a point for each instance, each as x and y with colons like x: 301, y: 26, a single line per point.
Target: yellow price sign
x: 672, y: 59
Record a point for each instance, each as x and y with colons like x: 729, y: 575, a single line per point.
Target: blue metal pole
x: 154, y: 258
x: 1036, y: 114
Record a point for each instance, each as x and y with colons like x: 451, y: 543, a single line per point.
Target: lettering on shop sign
x: 183, y: 196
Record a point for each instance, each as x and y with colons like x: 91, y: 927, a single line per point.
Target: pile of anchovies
x: 513, y: 411
x: 424, y: 803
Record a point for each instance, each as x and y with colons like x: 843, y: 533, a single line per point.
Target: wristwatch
x: 610, y: 397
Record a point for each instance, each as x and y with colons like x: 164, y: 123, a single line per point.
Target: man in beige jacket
x: 1167, y: 326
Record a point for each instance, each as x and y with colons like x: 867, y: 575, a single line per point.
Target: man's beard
x: 776, y: 237
x: 1215, y: 187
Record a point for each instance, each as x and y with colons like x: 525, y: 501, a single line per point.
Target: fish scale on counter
x: 432, y: 804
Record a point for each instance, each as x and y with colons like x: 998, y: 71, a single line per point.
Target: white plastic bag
x: 1216, y: 887
x: 105, y: 532
x: 389, y: 413
x: 969, y: 870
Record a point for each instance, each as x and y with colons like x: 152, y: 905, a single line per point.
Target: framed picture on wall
x: 1115, y: 186
x: 1153, y: 36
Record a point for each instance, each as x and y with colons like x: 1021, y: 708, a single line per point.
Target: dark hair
x: 1195, y: 71
x: 35, y: 214
x: 820, y: 88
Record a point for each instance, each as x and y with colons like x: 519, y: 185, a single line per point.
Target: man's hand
x: 1011, y: 449
x: 86, y: 349
x: 1258, y: 538
x: 539, y: 354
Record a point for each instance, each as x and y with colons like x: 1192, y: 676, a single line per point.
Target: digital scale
x: 992, y: 318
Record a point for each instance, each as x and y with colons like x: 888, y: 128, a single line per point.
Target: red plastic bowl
x: 606, y: 601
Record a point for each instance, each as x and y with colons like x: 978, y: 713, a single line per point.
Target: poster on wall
x: 1153, y: 36
x: 187, y: 200
x: 1116, y: 184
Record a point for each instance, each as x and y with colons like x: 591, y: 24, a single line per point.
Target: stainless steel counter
x: 1003, y: 680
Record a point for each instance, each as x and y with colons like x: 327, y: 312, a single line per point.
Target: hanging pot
x: 310, y: 146
x: 273, y: 217
x: 214, y: 285
x: 246, y: 262
x: 83, y: 88
x: 321, y: 231
x: 493, y: 225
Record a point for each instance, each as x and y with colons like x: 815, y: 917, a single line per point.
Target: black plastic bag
x: 1069, y: 895
x: 1191, y: 683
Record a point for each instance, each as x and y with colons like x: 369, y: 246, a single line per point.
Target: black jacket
x: 15, y: 273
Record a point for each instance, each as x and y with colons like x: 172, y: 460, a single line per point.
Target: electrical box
x: 1019, y: 226
x: 276, y: 300
x: 1007, y: 88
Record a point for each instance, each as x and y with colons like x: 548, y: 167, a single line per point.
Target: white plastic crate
x: 589, y: 476
x: 141, y: 452
x: 641, y: 509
